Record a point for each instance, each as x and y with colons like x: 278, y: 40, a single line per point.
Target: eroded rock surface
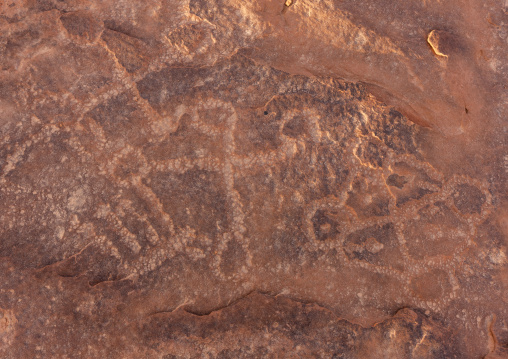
x: 163, y: 163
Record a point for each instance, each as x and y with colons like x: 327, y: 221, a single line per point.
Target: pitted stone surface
x: 228, y: 179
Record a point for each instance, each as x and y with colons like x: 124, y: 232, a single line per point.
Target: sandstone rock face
x: 262, y: 179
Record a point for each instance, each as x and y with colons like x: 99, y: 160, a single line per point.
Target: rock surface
x: 233, y: 179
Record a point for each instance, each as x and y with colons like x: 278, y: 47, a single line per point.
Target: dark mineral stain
x: 324, y: 227
x: 468, y: 199
x: 396, y: 180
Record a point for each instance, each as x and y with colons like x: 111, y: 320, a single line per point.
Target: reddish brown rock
x: 228, y: 179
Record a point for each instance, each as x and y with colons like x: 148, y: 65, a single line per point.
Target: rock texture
x: 251, y: 179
